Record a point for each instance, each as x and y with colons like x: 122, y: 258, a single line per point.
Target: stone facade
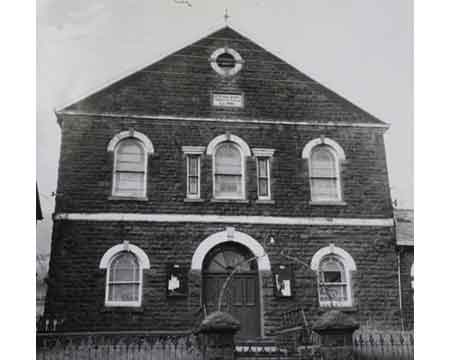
x: 404, y: 229
x: 170, y: 103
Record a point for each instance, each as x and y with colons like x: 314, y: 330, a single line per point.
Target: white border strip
x: 187, y: 118
x: 227, y: 219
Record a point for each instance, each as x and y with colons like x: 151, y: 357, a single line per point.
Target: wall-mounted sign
x: 176, y: 281
x: 228, y: 100
x: 283, y: 281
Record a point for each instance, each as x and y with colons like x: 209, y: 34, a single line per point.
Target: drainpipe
x: 400, y: 302
x: 400, y: 290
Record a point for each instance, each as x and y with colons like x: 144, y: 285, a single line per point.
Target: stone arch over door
x: 230, y: 235
x: 245, y: 285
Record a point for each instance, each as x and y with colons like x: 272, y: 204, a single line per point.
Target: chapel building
x: 220, y: 158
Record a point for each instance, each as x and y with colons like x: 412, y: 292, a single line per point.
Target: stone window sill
x: 127, y: 198
x: 122, y: 309
x: 346, y: 309
x: 237, y: 201
x: 327, y: 203
x: 188, y: 200
x: 265, y: 202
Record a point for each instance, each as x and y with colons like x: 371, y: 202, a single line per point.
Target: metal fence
x: 186, y: 346
x: 383, y: 346
x: 117, y: 346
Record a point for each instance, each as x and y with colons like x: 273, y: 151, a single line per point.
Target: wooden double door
x: 241, y: 295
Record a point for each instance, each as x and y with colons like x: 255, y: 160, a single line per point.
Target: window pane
x: 262, y: 168
x: 331, y: 263
x: 227, y: 261
x: 129, y: 166
x: 129, y: 184
x: 193, y: 185
x: 331, y: 276
x: 193, y: 178
x: 193, y: 165
x: 332, y: 270
x: 228, y: 160
x: 322, y: 163
x: 123, y: 292
x: 324, y: 189
x: 228, y: 185
x: 130, y: 156
x: 333, y: 292
x: 263, y: 188
x: 124, y: 267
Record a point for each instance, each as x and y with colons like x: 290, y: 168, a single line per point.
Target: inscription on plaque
x: 228, y: 100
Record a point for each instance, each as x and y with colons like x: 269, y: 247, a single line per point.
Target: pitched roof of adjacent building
x: 182, y: 84
x: 404, y: 226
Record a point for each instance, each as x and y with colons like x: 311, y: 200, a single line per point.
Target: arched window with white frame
x: 124, y: 266
x: 324, y: 156
x: 130, y: 164
x: 229, y: 158
x: 334, y: 267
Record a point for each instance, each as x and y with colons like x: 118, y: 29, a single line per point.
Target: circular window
x: 226, y: 62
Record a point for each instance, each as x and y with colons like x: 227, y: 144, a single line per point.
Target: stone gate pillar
x: 336, y: 335
x: 216, y: 334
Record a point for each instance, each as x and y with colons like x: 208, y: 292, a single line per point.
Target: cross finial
x: 226, y: 16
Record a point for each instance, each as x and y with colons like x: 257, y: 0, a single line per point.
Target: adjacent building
x: 404, y: 228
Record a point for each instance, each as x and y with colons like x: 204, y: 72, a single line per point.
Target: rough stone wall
x: 182, y: 84
x: 85, y: 170
x: 406, y: 260
x: 77, y: 285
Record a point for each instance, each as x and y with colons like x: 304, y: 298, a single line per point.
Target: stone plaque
x: 228, y: 100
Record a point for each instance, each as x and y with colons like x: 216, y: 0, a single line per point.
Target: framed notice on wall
x: 283, y: 279
x: 228, y: 100
x: 176, y: 282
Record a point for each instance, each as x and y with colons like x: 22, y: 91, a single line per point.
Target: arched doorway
x: 241, y: 296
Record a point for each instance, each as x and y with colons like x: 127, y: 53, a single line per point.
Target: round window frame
x: 226, y: 71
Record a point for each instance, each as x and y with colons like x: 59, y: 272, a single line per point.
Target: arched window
x: 323, y: 156
x: 333, y: 266
x: 324, y: 175
x: 124, y: 266
x: 229, y: 154
x: 333, y: 283
x: 228, y: 171
x: 130, y: 167
x: 131, y: 149
x: 124, y: 280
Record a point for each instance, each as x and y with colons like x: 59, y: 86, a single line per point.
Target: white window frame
x: 147, y: 148
x: 106, y: 261
x: 244, y: 150
x: 226, y: 72
x: 267, y: 155
x: 349, y: 266
x: 193, y: 152
x: 338, y: 154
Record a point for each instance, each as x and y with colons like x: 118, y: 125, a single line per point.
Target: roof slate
x: 182, y: 84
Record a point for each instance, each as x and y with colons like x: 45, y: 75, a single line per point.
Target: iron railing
x: 383, y: 346
x: 118, y: 346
